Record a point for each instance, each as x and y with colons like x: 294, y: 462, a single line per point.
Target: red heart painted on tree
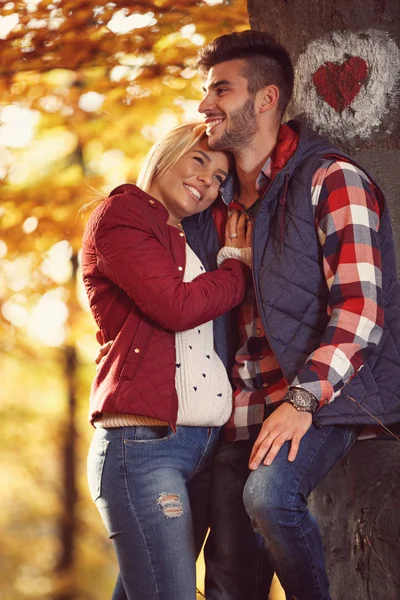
x: 339, y: 84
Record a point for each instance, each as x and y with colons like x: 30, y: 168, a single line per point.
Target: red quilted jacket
x: 133, y: 265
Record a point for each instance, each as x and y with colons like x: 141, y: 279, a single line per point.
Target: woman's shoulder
x: 129, y: 196
x: 129, y: 204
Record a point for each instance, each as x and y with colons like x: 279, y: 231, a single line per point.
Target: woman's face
x: 192, y: 184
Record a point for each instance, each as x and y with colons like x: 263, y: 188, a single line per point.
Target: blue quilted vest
x: 292, y: 293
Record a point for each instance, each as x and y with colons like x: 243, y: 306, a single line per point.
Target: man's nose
x: 205, y: 104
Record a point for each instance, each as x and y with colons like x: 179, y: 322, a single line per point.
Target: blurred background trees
x: 85, y: 88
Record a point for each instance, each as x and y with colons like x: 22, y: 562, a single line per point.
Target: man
x: 319, y: 336
x: 318, y: 351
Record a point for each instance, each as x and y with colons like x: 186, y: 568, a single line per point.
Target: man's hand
x: 104, y: 350
x: 285, y: 423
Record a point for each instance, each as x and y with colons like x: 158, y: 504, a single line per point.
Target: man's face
x: 228, y: 107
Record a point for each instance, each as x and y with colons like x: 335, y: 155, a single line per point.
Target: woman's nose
x: 206, y: 177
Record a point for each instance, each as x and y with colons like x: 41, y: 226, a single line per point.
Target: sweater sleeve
x: 243, y: 254
x: 132, y: 249
x: 347, y: 219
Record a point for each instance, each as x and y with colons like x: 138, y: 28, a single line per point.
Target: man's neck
x: 249, y: 163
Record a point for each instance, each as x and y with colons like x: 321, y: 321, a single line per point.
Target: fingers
x: 104, y: 350
x: 249, y: 233
x: 261, y: 445
x: 228, y: 231
x: 259, y: 451
x: 236, y: 231
x: 276, y: 446
x: 267, y: 450
x: 294, y: 447
x: 285, y: 424
x: 239, y: 241
x: 231, y: 229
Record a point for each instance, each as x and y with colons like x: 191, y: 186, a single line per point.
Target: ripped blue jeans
x: 152, y: 487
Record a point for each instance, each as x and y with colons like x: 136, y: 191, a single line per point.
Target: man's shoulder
x: 343, y: 170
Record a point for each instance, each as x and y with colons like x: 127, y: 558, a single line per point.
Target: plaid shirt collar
x: 230, y: 187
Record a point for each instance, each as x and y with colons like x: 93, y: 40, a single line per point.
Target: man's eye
x: 220, y: 91
x: 219, y: 179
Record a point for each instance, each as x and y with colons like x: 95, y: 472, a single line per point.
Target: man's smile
x: 212, y: 122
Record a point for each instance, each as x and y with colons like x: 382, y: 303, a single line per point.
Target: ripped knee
x: 170, y: 505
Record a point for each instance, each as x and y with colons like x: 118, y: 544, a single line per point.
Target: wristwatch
x: 302, y: 400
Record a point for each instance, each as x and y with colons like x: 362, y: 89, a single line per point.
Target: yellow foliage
x: 102, y: 98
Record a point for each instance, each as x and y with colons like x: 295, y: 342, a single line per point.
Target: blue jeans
x: 151, y: 487
x: 276, y: 501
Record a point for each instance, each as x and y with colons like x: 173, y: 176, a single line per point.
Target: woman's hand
x: 238, y: 231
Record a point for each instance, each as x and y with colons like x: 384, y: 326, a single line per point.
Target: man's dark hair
x: 267, y: 62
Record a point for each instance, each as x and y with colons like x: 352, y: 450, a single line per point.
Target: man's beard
x: 240, y: 131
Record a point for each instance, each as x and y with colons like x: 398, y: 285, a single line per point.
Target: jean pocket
x: 139, y: 434
x: 95, y: 465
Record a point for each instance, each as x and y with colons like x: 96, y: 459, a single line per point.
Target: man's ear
x: 268, y: 98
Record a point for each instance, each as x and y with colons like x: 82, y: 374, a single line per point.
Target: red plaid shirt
x: 346, y: 211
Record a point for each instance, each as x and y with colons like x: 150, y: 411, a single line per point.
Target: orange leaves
x: 74, y: 34
x: 88, y: 97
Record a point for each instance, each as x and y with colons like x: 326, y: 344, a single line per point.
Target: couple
x: 318, y: 323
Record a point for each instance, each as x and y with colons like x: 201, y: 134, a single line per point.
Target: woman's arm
x: 132, y: 256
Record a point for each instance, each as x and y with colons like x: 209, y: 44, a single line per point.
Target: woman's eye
x: 219, y: 179
x: 199, y: 159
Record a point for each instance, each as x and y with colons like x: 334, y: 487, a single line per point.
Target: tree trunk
x: 65, y: 585
x: 357, y: 507
x: 347, y: 61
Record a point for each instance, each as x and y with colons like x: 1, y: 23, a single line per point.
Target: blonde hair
x: 166, y: 152
x: 163, y: 155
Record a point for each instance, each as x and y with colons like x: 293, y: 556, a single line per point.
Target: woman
x: 162, y: 392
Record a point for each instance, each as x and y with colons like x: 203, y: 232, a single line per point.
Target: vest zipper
x: 256, y: 296
x: 282, y: 202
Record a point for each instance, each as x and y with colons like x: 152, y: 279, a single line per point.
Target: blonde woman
x: 162, y: 392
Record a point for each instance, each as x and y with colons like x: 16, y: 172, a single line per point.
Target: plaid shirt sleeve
x: 347, y: 219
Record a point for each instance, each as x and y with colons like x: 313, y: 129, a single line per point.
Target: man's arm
x: 347, y: 220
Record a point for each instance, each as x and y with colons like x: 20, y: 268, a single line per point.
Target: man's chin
x: 215, y: 142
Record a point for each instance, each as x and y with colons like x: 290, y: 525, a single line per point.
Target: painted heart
x: 339, y: 84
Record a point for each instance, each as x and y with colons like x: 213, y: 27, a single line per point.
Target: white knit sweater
x: 202, y: 384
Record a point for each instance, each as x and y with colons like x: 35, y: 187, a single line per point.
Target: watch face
x: 302, y: 398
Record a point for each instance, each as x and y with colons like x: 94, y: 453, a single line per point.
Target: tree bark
x: 347, y: 61
x: 65, y: 585
x: 317, y: 32
x: 357, y: 507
